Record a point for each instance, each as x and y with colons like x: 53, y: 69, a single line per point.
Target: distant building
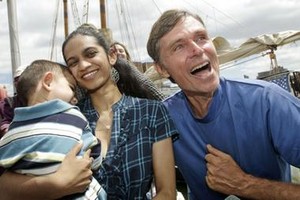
x: 143, y: 66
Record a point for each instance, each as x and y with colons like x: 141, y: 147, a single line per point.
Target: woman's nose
x: 84, y: 64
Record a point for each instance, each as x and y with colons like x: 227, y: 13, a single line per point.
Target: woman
x: 135, y: 133
x: 121, y: 51
x: 134, y: 77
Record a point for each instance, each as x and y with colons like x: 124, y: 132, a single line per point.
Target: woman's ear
x: 161, y: 70
x: 112, y: 56
x: 47, y: 80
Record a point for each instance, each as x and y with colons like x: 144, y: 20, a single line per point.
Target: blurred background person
x: 123, y: 55
x: 8, y: 104
x: 3, y: 92
x: 121, y: 50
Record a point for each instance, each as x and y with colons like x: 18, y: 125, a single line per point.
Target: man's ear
x: 47, y: 80
x: 161, y: 70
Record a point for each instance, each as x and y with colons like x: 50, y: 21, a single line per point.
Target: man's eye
x: 178, y: 47
x: 200, y: 39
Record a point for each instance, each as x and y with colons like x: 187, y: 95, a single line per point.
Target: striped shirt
x: 41, y: 135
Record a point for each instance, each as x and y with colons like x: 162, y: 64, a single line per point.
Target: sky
x: 130, y: 22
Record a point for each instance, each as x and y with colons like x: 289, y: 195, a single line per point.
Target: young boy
x: 44, y: 131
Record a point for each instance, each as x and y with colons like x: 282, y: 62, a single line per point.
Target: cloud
x: 131, y: 21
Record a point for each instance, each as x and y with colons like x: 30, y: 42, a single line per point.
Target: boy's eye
x: 73, y: 88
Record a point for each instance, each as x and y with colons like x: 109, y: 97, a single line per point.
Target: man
x: 236, y: 136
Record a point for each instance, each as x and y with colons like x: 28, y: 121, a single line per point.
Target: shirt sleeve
x: 164, y: 125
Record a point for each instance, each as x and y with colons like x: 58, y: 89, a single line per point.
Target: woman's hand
x: 75, y: 174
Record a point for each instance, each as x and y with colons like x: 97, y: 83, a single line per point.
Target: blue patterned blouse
x: 126, y: 171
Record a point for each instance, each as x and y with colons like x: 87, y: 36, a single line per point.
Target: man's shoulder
x: 175, y: 99
x: 245, y: 82
x: 247, y: 85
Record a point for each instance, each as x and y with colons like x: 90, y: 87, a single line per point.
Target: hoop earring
x: 114, y: 75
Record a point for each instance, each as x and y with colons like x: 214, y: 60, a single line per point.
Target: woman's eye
x: 72, y: 64
x: 91, y: 54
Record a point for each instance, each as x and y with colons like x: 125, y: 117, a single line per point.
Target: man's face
x: 187, y: 55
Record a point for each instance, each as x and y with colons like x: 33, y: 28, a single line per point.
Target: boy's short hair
x: 32, y: 74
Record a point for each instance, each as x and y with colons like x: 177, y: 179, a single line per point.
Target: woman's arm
x: 66, y: 180
x: 164, y: 170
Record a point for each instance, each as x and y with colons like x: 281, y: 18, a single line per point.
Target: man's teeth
x: 200, y: 66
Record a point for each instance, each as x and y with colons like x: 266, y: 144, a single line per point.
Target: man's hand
x: 223, y: 174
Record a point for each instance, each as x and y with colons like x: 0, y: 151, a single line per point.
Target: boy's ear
x: 161, y: 70
x: 47, y: 80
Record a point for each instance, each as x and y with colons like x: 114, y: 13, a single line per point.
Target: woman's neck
x: 103, y: 100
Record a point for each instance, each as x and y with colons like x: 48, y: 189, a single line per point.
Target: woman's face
x: 121, y: 52
x: 88, y: 62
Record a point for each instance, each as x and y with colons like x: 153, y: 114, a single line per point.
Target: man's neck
x: 200, y: 104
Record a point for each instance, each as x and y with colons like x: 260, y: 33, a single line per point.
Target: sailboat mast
x: 13, y: 35
x: 66, y: 26
x: 106, y: 31
x: 102, y: 14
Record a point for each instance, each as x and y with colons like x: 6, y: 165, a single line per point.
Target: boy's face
x: 64, y: 87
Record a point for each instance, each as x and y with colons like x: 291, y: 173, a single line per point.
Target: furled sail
x: 254, y: 45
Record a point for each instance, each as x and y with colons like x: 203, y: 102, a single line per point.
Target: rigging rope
x: 75, y: 13
x: 133, y: 33
x: 53, y: 38
x: 235, y: 64
x: 119, y: 19
x: 85, y: 13
x: 226, y: 15
x: 126, y: 28
x: 160, y: 11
